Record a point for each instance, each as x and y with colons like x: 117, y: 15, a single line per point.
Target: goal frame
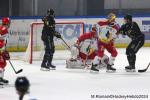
x: 40, y: 23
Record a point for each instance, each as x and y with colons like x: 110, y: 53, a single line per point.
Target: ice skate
x: 93, y: 68
x: 110, y: 69
x: 1, y: 84
x: 3, y: 81
x: 49, y: 64
x: 44, y: 67
x: 130, y: 69
x: 51, y: 67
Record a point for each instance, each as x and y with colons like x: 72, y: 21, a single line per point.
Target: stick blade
x: 140, y: 71
x: 19, y: 71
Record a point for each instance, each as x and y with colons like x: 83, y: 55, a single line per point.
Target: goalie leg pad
x: 74, y: 52
x: 74, y: 64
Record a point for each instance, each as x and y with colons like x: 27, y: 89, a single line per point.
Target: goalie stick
x: 144, y: 70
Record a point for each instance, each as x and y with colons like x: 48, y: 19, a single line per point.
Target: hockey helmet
x: 128, y: 17
x: 5, y: 20
x: 50, y: 12
x: 111, y: 16
x: 22, y: 84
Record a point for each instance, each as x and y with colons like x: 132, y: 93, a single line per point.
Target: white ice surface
x: 77, y: 84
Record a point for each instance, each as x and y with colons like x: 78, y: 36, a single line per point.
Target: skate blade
x: 92, y: 71
x: 128, y: 70
x: 1, y: 85
x: 52, y: 68
x: 110, y: 71
x: 5, y: 83
x: 44, y: 69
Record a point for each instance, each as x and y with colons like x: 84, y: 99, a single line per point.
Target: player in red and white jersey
x: 88, y: 41
x: 4, y: 55
x: 106, y: 39
x: 84, y: 51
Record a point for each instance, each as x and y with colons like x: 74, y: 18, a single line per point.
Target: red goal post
x: 70, y: 31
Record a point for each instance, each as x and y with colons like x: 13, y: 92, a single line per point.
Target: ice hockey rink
x: 80, y: 84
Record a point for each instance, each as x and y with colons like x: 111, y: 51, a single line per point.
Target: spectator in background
x: 22, y: 86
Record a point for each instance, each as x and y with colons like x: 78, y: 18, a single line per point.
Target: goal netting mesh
x: 70, y: 31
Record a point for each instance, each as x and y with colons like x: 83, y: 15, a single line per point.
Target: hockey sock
x: 111, y: 60
x: 131, y: 60
x: 50, y: 60
x: 96, y: 60
x: 45, y: 59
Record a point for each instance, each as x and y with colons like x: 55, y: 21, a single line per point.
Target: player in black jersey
x: 48, y: 34
x: 132, y: 30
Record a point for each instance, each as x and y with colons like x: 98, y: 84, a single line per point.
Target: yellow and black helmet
x: 111, y: 16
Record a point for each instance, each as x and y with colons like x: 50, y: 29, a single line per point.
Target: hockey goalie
x: 84, y: 51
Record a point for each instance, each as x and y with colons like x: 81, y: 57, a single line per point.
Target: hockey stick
x: 144, y: 70
x: 65, y: 43
x: 16, y: 72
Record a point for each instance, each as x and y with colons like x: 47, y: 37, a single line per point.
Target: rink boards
x: 20, y: 30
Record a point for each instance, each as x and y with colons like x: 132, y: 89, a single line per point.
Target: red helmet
x: 5, y: 20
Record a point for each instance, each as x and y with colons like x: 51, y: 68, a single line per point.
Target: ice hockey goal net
x: 70, y: 31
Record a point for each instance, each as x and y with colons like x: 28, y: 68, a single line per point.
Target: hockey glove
x: 58, y: 35
x: 6, y: 55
